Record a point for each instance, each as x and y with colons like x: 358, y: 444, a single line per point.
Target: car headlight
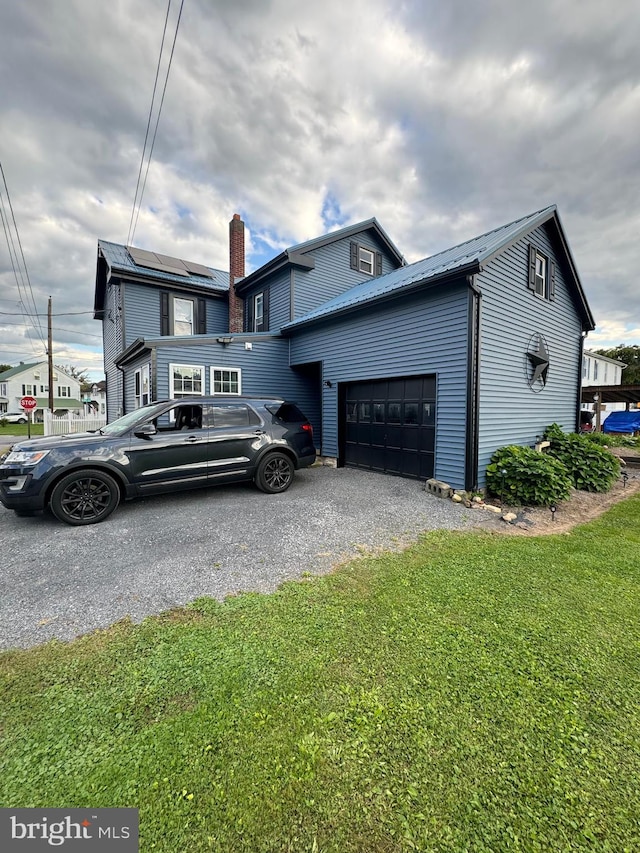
x: 25, y: 457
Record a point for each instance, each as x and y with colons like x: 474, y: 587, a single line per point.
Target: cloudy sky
x: 441, y: 118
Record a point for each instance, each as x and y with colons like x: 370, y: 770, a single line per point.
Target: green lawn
x: 474, y: 693
x: 21, y: 429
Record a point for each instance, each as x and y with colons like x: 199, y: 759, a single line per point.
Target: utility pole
x: 50, y: 355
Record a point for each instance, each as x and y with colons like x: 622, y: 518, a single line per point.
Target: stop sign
x: 29, y: 403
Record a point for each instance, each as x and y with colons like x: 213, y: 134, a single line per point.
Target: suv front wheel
x: 275, y: 473
x: 85, y: 497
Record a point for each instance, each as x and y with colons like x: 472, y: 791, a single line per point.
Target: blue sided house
x: 419, y: 370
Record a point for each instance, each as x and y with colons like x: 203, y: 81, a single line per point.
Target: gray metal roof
x: 120, y: 260
x: 467, y: 257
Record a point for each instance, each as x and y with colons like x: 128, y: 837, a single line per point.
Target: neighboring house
x: 600, y: 369
x: 32, y: 380
x: 602, y: 389
x: 420, y: 370
x: 95, y: 399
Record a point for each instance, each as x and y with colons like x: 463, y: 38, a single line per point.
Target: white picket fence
x: 65, y: 424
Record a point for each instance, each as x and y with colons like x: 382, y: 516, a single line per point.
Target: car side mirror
x: 145, y: 430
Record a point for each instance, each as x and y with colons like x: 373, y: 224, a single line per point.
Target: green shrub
x: 591, y: 468
x: 521, y: 475
x: 610, y: 439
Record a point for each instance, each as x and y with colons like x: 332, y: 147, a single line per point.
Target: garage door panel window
x: 411, y: 413
x: 428, y: 414
x: 394, y: 413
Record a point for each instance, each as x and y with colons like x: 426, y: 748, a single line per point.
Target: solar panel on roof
x: 165, y: 268
x: 170, y: 261
x: 197, y: 269
x: 139, y: 256
x: 166, y: 263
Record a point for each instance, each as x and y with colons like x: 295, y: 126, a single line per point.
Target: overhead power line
x: 60, y: 314
x: 137, y: 200
x: 18, y: 263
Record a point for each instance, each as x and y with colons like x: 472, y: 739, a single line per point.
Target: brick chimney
x: 236, y: 270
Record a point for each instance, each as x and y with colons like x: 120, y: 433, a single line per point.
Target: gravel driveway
x: 151, y: 555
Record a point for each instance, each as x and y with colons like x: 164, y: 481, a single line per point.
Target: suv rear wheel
x: 85, y: 497
x: 275, y: 473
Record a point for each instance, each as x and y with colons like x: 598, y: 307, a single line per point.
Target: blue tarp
x: 622, y: 422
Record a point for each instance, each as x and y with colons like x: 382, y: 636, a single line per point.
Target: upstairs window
x: 542, y: 274
x: 182, y: 315
x: 365, y: 259
x: 258, y: 312
x: 256, y: 315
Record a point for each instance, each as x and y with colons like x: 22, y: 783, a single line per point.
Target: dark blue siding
x: 265, y: 370
x: 279, y: 287
x: 425, y: 333
x: 510, y: 412
x: 142, y: 312
x: 332, y: 274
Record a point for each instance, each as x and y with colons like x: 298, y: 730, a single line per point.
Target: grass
x: 21, y: 429
x: 474, y: 693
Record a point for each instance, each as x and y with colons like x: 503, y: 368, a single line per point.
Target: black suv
x: 162, y: 447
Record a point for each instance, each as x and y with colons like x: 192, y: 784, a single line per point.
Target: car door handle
x: 192, y: 439
x: 259, y: 432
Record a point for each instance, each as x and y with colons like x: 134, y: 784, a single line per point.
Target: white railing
x: 65, y: 424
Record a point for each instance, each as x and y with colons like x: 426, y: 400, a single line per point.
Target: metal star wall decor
x: 538, y: 358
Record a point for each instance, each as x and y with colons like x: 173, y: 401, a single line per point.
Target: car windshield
x: 125, y: 423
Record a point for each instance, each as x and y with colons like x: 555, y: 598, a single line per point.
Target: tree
x: 76, y: 373
x: 630, y: 355
x: 4, y: 367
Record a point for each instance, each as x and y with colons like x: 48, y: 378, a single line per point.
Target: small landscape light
x: 553, y: 509
x: 625, y: 477
x: 504, y: 474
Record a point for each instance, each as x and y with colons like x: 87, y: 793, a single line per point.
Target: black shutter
x: 552, y: 280
x: 353, y: 255
x: 265, y: 311
x: 378, y: 263
x: 532, y: 267
x: 202, y: 317
x: 248, y: 314
x: 164, y: 314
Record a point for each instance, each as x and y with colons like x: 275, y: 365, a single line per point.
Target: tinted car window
x: 233, y: 415
x: 287, y: 412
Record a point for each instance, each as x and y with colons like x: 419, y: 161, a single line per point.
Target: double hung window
x: 226, y: 380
